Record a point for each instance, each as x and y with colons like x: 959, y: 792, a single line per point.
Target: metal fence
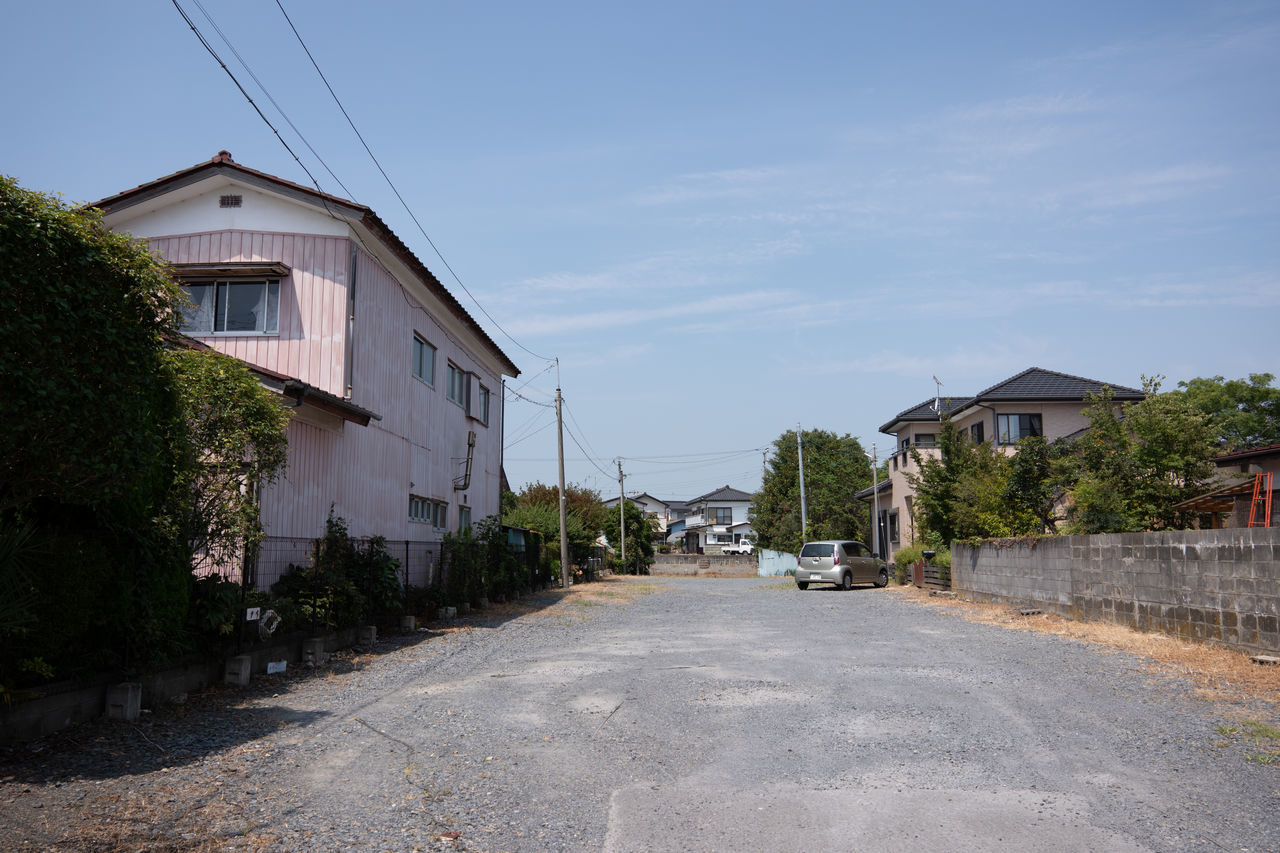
x: 419, y: 560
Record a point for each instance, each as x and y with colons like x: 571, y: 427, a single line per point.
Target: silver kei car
x: 841, y: 563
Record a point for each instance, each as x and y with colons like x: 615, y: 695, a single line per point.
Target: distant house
x: 716, y: 519
x: 1034, y: 402
x: 1230, y: 502
x: 396, y: 390
x: 656, y: 508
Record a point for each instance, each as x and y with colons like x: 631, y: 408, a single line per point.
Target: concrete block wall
x: 1216, y: 585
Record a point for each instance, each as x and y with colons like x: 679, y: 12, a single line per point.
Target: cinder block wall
x: 1216, y: 585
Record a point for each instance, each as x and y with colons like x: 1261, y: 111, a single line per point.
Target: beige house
x: 1035, y: 402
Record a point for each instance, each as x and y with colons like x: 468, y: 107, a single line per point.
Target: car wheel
x: 883, y: 580
x: 802, y: 584
x: 846, y: 581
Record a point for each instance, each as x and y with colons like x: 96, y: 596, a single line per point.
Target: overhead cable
x: 391, y: 184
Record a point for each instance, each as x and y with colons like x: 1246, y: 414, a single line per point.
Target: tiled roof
x: 882, y: 486
x: 724, y: 493
x: 925, y: 411
x: 1251, y: 453
x: 1036, y: 383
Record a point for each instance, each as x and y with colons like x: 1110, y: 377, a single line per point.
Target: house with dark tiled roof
x: 1034, y: 402
x: 714, y: 520
x: 656, y: 508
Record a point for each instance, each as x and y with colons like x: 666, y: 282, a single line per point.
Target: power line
x: 580, y: 429
x: 265, y: 91
x: 527, y: 400
x: 530, y: 435
x: 391, y: 184
x: 257, y: 109
x: 585, y: 454
x: 723, y: 456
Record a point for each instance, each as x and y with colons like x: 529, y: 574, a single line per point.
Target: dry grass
x: 1219, y: 674
x: 611, y: 589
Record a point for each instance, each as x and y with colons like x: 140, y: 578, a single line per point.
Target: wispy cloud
x: 1139, y: 188
x: 551, y: 323
x: 708, y: 186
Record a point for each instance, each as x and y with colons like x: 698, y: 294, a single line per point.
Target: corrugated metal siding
x: 313, y: 299
x: 432, y: 428
x: 358, y: 471
x: 365, y: 473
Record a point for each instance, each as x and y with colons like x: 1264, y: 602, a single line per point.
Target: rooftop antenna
x: 937, y: 398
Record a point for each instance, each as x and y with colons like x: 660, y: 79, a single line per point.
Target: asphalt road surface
x: 682, y: 714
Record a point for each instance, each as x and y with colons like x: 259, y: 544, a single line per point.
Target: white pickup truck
x: 743, y: 547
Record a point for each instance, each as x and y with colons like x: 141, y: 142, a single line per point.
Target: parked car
x: 840, y: 563
x: 743, y: 547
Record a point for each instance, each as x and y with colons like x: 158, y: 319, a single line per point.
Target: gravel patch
x: 669, y: 714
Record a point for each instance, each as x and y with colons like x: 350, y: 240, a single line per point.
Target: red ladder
x: 1261, y: 494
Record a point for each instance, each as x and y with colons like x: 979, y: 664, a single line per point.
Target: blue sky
x: 727, y: 218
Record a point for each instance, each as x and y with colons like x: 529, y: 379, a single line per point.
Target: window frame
x: 1034, y: 422
x: 271, y: 294
x: 423, y: 507
x: 422, y: 345
x: 483, y: 414
x: 461, y: 384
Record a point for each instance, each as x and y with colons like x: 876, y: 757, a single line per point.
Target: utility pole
x: 804, y: 512
x: 875, y: 503
x: 564, y: 536
x: 622, y: 515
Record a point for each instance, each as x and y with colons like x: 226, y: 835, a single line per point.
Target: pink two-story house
x: 396, y: 390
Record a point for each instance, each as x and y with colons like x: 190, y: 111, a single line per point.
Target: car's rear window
x: 817, y: 549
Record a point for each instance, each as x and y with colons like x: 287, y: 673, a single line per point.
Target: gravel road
x: 680, y: 714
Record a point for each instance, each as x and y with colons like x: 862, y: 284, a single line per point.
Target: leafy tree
x: 537, y: 507
x: 981, y: 510
x: 89, y: 400
x: 92, y: 421
x: 1173, y: 448
x: 1032, y: 488
x: 640, y: 529
x: 936, y: 485
x: 1102, y: 471
x: 1244, y: 413
x: 1137, y: 461
x: 964, y: 492
x: 835, y: 468
x: 234, y: 437
x: 107, y: 450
